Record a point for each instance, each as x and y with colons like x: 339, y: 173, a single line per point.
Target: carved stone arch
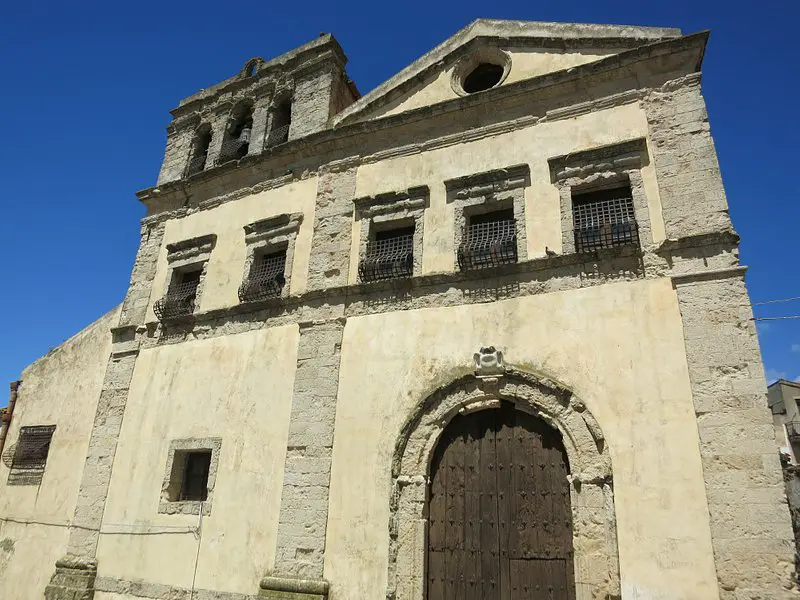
x: 239, y: 110
x: 591, y: 493
x: 199, y: 150
x: 252, y: 66
x: 238, y: 130
x: 280, y: 116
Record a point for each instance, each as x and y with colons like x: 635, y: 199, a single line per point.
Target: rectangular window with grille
x: 604, y: 219
x: 181, y: 296
x: 389, y: 256
x: 489, y: 240
x: 30, y: 455
x: 194, y: 485
x: 266, y: 279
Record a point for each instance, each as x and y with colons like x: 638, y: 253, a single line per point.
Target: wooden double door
x: 500, y: 522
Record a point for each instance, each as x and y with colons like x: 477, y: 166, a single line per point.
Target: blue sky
x: 88, y: 86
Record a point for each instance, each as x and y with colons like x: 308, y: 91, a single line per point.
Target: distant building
x: 481, y: 333
x: 783, y: 399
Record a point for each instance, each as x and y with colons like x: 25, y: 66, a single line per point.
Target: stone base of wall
x: 283, y: 588
x: 73, y: 580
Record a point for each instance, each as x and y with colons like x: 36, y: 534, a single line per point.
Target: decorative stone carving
x: 489, y: 362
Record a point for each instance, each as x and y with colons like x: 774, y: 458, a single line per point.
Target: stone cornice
x: 345, y: 143
x: 414, y: 197
x: 367, y: 103
x: 530, y: 277
x: 506, y: 34
x: 496, y: 180
x: 569, y: 165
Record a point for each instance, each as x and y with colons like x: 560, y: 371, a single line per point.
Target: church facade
x: 481, y: 333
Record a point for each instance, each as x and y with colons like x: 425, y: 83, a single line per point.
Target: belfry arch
x: 594, y: 542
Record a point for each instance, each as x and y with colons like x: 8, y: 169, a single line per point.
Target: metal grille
x: 488, y: 244
x: 278, y: 135
x: 793, y: 430
x: 603, y: 222
x: 266, y: 278
x: 388, y: 258
x: 180, y: 300
x: 236, y: 147
x: 196, y: 164
x: 30, y: 455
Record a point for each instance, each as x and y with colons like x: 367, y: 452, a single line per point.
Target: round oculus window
x: 482, y: 77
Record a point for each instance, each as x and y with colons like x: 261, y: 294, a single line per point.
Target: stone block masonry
x: 750, y: 527
x: 333, y: 218
x: 692, y: 195
x: 304, y: 500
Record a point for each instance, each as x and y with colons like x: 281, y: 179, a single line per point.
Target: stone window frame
x: 595, y: 549
x: 480, y: 51
x: 189, y: 507
x: 596, y: 169
x: 269, y: 235
x: 486, y: 192
x: 393, y: 210
x: 20, y: 474
x: 184, y: 256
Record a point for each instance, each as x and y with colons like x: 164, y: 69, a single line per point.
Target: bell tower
x: 266, y: 104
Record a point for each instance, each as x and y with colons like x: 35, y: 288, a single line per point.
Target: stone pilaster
x: 76, y: 572
x: 180, y: 137
x: 690, y: 185
x: 259, y: 132
x: 306, y: 480
x: 218, y: 126
x: 333, y: 229
x: 750, y: 527
x: 311, y: 105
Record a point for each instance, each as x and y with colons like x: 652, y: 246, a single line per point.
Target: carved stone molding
x: 599, y: 168
x: 488, y: 191
x: 393, y: 209
x: 591, y: 494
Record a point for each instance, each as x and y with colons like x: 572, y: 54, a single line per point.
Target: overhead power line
x: 776, y: 301
x: 774, y: 318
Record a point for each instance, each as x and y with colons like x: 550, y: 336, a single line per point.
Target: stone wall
x: 692, y: 195
x: 751, y: 534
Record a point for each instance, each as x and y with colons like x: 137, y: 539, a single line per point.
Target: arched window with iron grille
x: 236, y: 144
x: 199, y: 156
x: 281, y: 121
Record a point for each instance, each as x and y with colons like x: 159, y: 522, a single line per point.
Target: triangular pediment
x: 518, y: 50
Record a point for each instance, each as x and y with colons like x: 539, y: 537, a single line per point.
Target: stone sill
x: 358, y: 291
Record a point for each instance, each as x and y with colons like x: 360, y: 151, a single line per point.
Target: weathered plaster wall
x: 532, y: 145
x: 56, y: 390
x: 524, y: 65
x: 237, y: 388
x: 620, y: 347
x: 226, y: 265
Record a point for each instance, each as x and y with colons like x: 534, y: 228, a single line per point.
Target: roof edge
x: 315, y: 44
x: 532, y: 30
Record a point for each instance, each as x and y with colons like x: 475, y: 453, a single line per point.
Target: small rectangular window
x: 181, y: 297
x: 30, y: 455
x: 194, y: 485
x: 489, y: 240
x: 389, y: 256
x: 267, y: 277
x: 604, y: 219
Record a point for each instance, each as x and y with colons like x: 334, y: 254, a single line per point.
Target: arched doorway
x: 500, y: 520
